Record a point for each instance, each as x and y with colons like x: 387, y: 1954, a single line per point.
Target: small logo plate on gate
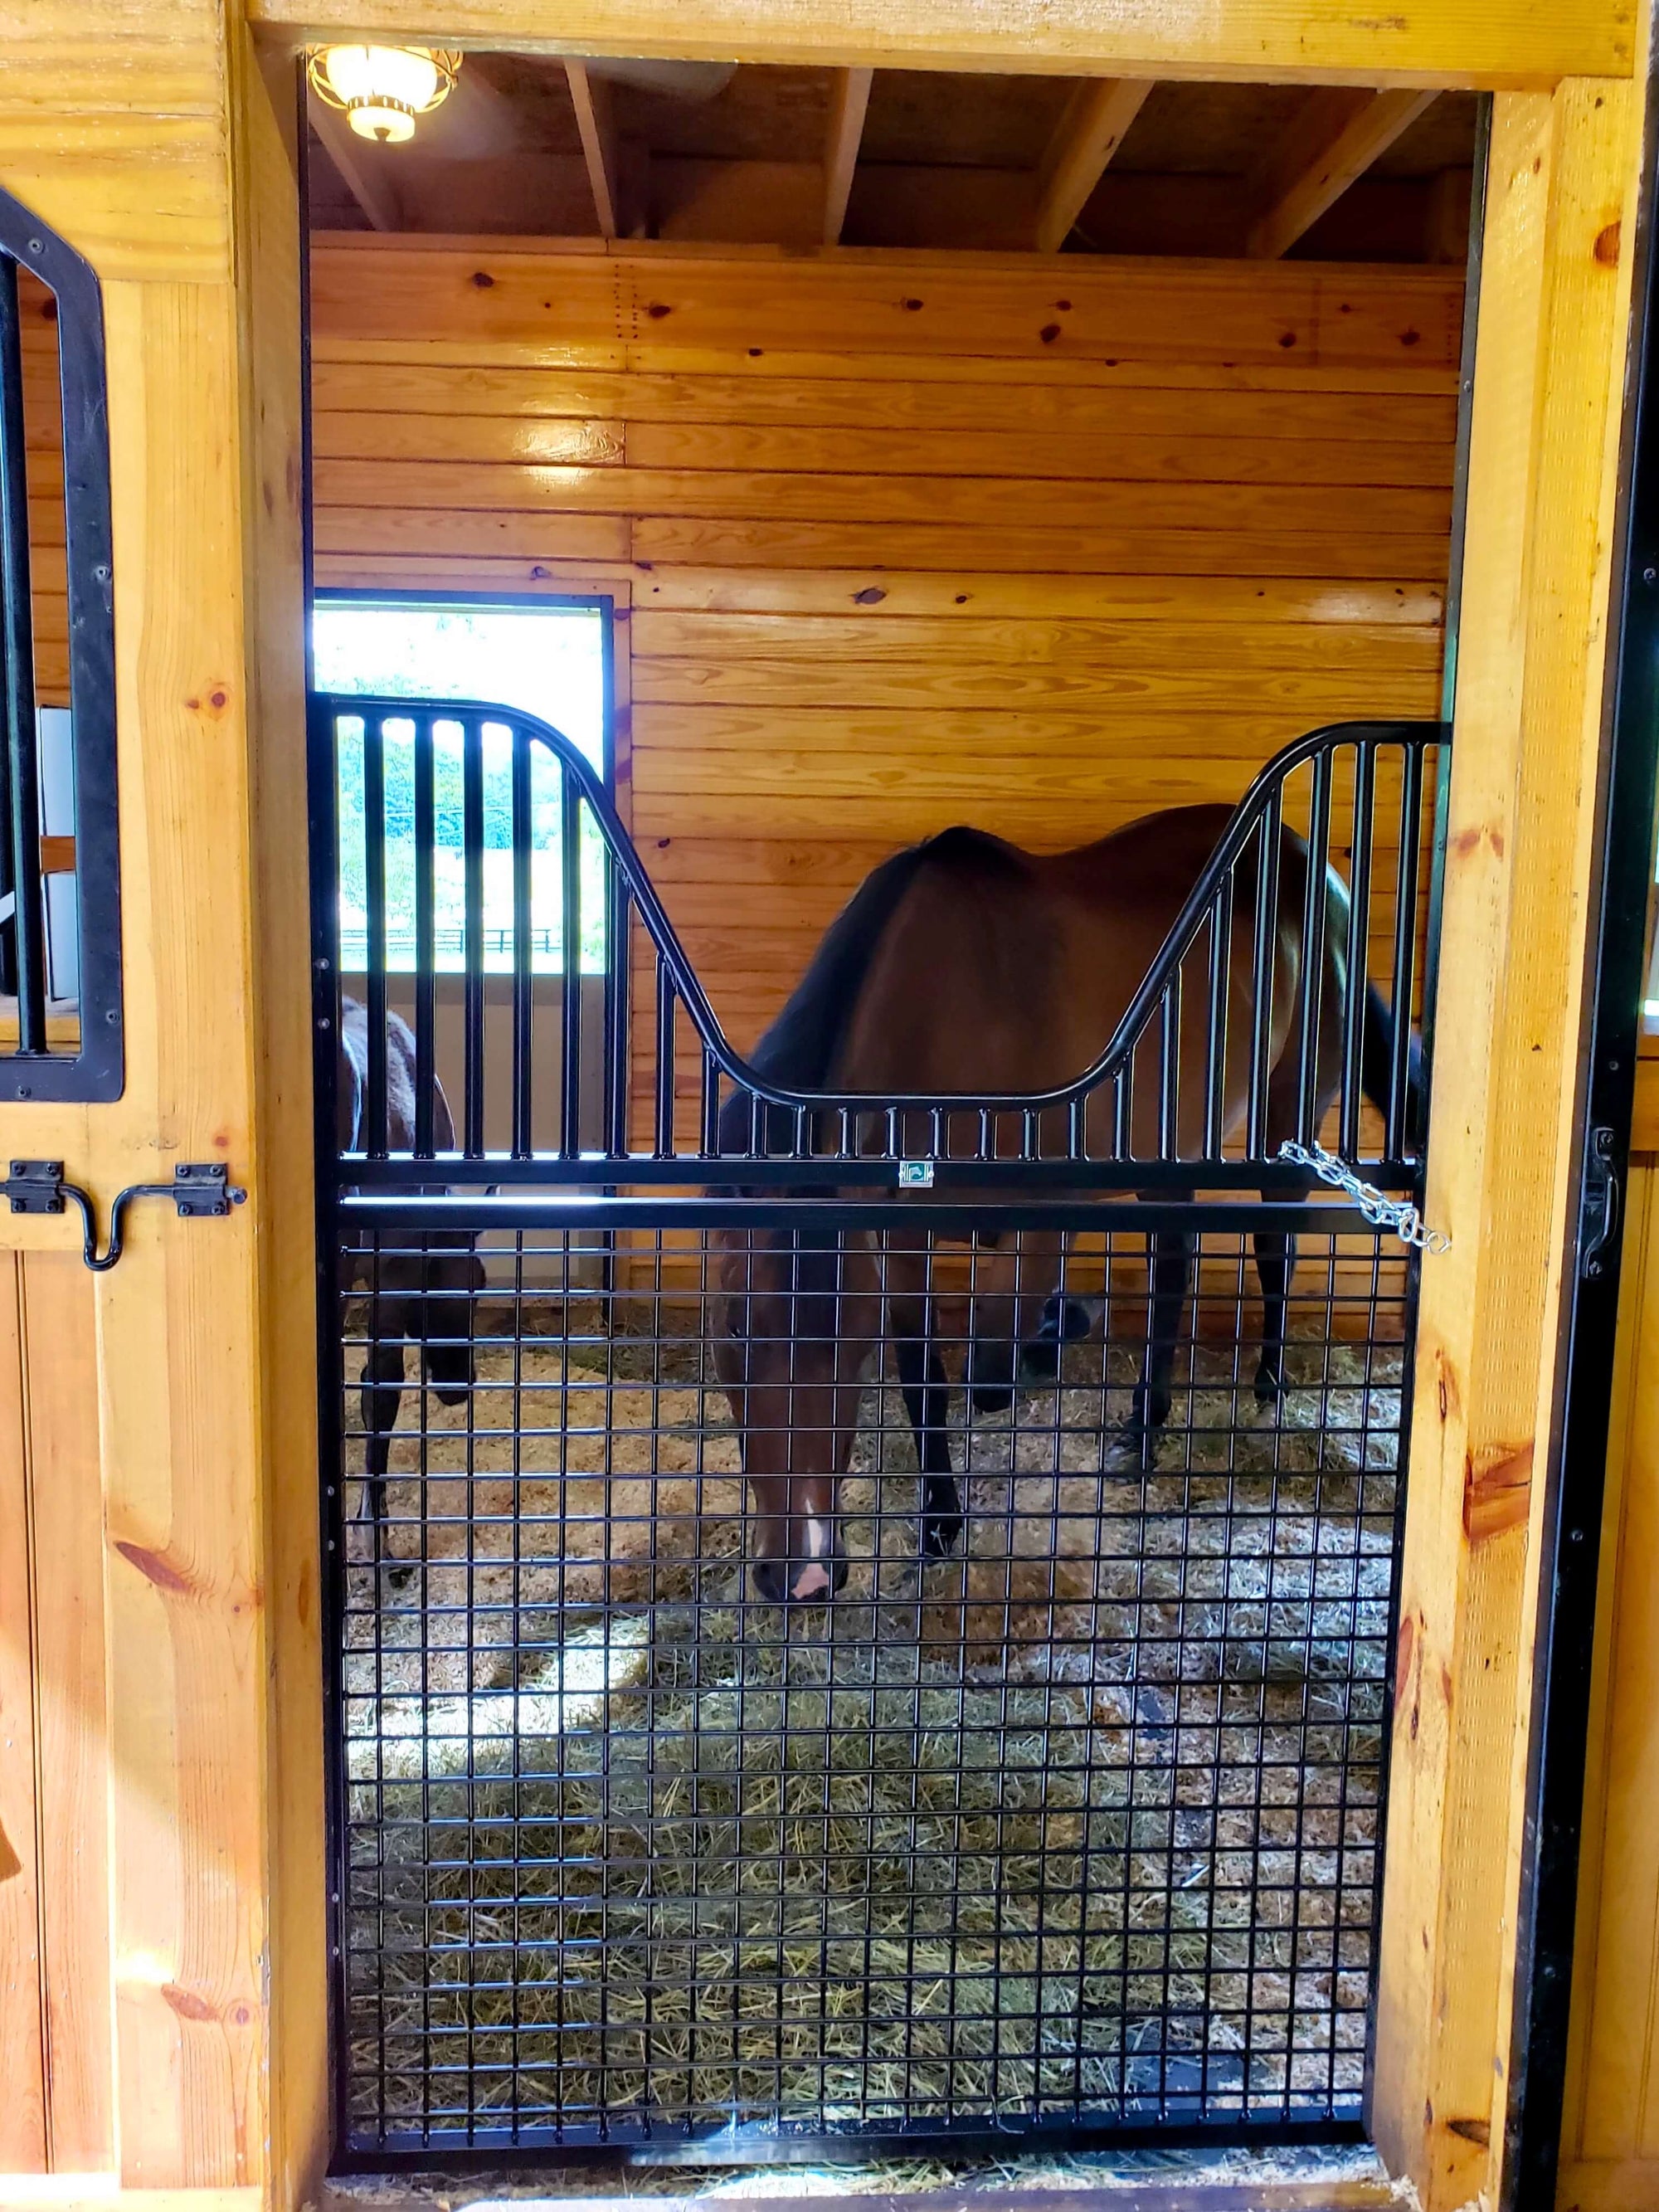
x: 915, y: 1174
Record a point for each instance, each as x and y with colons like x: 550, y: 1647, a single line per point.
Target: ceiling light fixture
x: 381, y: 90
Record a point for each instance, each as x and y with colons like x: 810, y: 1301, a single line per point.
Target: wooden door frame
x: 142, y: 131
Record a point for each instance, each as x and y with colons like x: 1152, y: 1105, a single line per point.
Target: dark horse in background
x: 966, y: 965
x: 423, y: 1297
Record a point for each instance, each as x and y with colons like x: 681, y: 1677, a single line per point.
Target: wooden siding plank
x: 965, y: 502
x: 883, y: 593
x: 752, y: 542
x: 1174, y: 456
x: 61, y: 1370
x: 800, y: 681
x: 873, y: 403
x: 920, y: 640
x: 23, y: 2146
x: 1049, y: 373
x: 841, y: 303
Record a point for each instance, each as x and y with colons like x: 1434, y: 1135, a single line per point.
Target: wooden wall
x: 900, y: 543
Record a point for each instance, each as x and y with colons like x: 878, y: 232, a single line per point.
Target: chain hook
x: 1382, y: 1211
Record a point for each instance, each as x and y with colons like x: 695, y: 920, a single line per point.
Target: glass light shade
x: 383, y: 89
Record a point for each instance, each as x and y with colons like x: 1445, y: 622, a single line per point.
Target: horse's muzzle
x: 812, y: 1577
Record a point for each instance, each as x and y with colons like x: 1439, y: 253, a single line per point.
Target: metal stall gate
x: 1062, y: 1816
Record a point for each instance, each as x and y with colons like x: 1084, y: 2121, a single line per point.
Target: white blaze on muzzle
x: 813, y: 1579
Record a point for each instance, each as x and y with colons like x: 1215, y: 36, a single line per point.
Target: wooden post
x: 161, y: 1417
x: 1554, y: 309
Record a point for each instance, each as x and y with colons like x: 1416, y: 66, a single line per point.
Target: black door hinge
x: 201, y: 1190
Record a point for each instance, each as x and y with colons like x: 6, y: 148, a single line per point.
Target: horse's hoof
x: 1269, y: 1386
x: 1138, y: 1440
x: 941, y: 1534
x: 989, y: 1398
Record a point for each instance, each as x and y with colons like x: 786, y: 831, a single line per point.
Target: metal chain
x: 1398, y: 1215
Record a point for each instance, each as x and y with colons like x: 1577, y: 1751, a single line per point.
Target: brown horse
x: 423, y: 1297
x: 965, y: 965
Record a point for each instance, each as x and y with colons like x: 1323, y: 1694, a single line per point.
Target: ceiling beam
x: 368, y: 184
x: 590, y: 98
x: 1335, y: 140
x: 1094, y: 124
x: 850, y: 98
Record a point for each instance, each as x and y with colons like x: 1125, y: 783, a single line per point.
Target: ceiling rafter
x: 1092, y: 127
x: 849, y: 101
x: 596, y: 124
x: 1340, y: 133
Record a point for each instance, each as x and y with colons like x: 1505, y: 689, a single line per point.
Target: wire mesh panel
x: 856, y: 1613
x: 1078, y: 1826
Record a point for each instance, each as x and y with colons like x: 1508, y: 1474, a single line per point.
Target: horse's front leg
x: 382, y: 1394
x: 926, y: 1400
x: 1275, y: 1265
x: 1170, y: 1255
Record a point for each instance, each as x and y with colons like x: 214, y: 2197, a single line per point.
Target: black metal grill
x: 1073, y: 1832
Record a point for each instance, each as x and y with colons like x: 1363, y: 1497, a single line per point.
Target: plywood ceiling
x: 794, y: 157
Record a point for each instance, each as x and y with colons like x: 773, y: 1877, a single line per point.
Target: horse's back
x: 1005, y: 969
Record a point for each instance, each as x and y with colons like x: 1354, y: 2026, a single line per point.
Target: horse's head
x: 797, y: 1314
x: 1017, y: 1319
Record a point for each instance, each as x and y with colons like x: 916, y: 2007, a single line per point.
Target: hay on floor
x: 1087, y: 1814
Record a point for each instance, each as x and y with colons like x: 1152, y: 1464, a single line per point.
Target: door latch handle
x: 200, y: 1190
x: 1598, y: 1215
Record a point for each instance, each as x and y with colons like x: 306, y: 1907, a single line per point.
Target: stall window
x: 551, y: 658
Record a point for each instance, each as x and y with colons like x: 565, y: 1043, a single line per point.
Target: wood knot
x: 1605, y: 248
x: 484, y: 280
x: 186, y: 2003
x: 1496, y: 1491
x: 156, y: 1567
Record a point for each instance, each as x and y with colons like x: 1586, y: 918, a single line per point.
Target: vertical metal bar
x: 374, y: 1114
x: 16, y: 609
x: 1405, y: 951
x: 616, y: 952
x: 1359, y: 912
x: 1266, y: 943
x: 1313, y: 947
x: 1169, y: 1070
x: 664, y: 1134
x: 711, y: 1104
x: 1221, y: 957
x: 570, y: 999
x: 472, y: 838
x: 524, y: 1019
x: 426, y: 839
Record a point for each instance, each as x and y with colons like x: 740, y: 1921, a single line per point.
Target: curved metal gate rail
x: 1075, y: 1832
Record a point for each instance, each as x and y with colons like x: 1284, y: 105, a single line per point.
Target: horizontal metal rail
x: 476, y: 1214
